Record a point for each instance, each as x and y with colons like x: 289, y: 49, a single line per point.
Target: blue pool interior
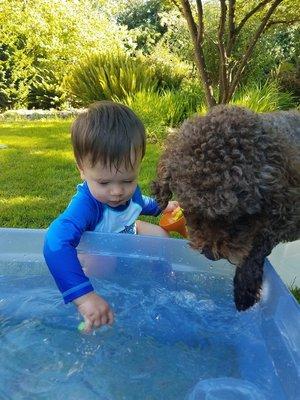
x: 177, y: 334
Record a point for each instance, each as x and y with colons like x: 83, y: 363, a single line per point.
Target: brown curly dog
x: 236, y: 174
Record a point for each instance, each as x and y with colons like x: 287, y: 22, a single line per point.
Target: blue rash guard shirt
x: 85, y: 213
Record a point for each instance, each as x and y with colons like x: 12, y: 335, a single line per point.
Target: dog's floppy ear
x: 161, y: 186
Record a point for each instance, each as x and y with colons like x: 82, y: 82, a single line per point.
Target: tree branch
x: 231, y: 21
x: 231, y: 28
x: 187, y: 12
x: 197, y: 37
x: 251, y: 46
x: 200, y: 19
x: 287, y: 22
x: 222, y: 53
x: 250, y: 13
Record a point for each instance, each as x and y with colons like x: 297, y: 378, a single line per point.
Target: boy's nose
x: 116, y: 191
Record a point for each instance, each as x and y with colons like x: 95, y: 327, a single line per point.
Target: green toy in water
x: 81, y: 326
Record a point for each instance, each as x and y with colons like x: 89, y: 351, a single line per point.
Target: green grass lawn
x: 38, y: 174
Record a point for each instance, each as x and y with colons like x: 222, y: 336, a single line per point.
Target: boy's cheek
x: 133, y: 189
x: 95, y: 190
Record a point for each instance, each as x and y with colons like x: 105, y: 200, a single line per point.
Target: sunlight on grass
x: 51, y: 123
x: 13, y: 201
x: 56, y: 154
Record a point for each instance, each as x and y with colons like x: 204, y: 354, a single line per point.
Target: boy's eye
x: 103, y: 183
x: 128, y: 181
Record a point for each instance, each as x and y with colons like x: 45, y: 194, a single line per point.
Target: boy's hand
x: 172, y: 205
x: 95, y: 311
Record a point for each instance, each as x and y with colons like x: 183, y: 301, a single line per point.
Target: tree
x: 142, y: 17
x: 40, y: 40
x: 233, y: 16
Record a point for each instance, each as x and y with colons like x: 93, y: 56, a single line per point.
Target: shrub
x: 150, y: 109
x: 13, y: 78
x: 104, y: 76
x: 107, y: 76
x: 44, y: 91
x: 167, y: 109
x: 261, y: 98
x: 169, y: 74
x: 183, y: 103
x: 288, y: 77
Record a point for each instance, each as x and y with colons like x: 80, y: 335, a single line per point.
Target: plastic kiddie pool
x: 176, y: 336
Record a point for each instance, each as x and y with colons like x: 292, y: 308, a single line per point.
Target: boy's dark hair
x: 108, y: 132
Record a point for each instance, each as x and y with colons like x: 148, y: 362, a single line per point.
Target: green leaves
x: 116, y: 76
x: 49, y: 36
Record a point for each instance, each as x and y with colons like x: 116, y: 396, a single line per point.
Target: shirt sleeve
x: 150, y: 206
x: 62, y: 238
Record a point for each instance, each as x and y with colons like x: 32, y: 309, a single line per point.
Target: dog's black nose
x: 208, y: 253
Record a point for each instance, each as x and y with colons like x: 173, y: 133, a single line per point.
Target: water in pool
x: 173, y: 329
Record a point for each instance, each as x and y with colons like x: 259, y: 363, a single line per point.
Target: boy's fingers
x: 104, y: 320
x: 88, y: 324
x: 110, y: 318
x: 97, y: 322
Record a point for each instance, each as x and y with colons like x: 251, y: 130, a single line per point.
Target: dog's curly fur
x: 236, y: 175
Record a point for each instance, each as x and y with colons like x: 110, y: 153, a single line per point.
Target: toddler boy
x: 109, y: 144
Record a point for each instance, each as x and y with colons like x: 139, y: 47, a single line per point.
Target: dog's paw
x: 246, y: 299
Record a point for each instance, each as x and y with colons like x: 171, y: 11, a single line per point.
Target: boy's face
x: 110, y: 185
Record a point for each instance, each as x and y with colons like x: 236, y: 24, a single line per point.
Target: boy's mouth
x: 116, y: 203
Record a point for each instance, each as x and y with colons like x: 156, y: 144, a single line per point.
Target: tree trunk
x: 197, y: 37
x: 228, y: 79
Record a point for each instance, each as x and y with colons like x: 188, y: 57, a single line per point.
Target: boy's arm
x: 60, y: 253
x: 150, y: 206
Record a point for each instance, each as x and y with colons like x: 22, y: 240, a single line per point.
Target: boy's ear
x: 82, y: 176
